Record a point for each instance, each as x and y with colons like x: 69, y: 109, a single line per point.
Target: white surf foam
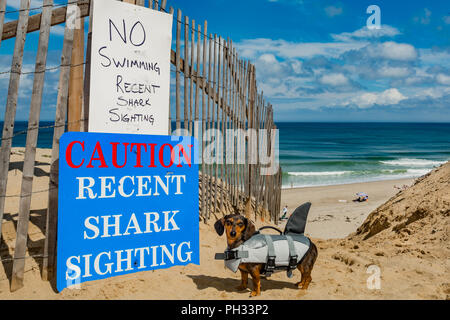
x: 412, y: 162
x: 319, y: 173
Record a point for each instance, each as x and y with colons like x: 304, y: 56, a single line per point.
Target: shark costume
x: 278, y: 252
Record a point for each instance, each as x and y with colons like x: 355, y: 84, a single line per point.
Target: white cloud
x: 388, y: 97
x: 314, y: 75
x: 435, y: 92
x: 443, y: 79
x: 252, y: 48
x: 268, y: 58
x: 57, y: 30
x: 16, y: 4
x: 332, y: 11
x: 267, y: 64
x: 269, y: 67
x: 297, y: 66
x: 334, y: 79
x: 393, y: 51
x: 365, y: 33
x: 394, y: 72
x: 435, y: 57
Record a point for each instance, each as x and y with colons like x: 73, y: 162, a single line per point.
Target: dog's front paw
x: 255, y: 293
x: 302, y: 285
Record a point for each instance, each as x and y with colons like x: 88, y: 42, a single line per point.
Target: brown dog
x: 238, y: 230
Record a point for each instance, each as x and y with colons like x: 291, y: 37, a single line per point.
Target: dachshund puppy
x: 239, y: 229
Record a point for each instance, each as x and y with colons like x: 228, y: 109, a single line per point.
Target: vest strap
x: 231, y: 255
x: 270, y: 264
x: 293, y: 257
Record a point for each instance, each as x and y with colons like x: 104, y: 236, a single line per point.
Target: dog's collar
x: 240, y: 241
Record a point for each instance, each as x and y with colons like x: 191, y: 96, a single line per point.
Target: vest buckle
x: 270, y: 265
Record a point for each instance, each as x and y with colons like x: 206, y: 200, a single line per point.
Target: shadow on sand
x: 230, y: 285
x: 35, y: 248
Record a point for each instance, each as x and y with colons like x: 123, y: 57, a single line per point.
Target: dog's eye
x: 228, y: 223
x: 240, y: 224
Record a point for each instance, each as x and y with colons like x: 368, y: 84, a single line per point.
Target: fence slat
x: 209, y: 113
x: 229, y: 166
x: 11, y: 103
x: 239, y: 150
x: 30, y: 150
x: 187, y: 72
x: 163, y: 5
x: 192, y: 77
x: 2, y: 17
x: 213, y: 122
x: 48, y: 269
x: 217, y: 137
x: 234, y: 127
x: 198, y: 77
x: 223, y: 107
x: 171, y: 11
x: 244, y: 120
x: 177, y: 77
x: 87, y: 74
x: 76, y: 80
x: 249, y: 127
x: 203, y: 208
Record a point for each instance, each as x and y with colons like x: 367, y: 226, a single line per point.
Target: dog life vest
x: 278, y: 252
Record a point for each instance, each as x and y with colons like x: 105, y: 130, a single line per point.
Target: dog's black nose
x: 233, y: 233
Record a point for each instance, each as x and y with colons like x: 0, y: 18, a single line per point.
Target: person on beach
x: 285, y: 211
x: 361, y: 197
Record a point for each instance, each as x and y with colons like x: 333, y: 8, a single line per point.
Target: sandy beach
x: 333, y: 214
x: 340, y: 271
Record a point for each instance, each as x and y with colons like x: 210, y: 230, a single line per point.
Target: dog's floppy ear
x: 219, y: 226
x: 250, y: 229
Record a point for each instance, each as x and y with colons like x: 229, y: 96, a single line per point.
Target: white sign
x: 130, y: 69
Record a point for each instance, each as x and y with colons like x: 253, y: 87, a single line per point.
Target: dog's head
x: 238, y: 229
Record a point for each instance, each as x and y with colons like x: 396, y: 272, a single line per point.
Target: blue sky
x: 315, y: 60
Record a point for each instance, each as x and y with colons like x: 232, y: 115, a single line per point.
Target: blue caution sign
x: 127, y: 203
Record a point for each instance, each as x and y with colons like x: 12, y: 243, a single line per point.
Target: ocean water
x: 315, y: 154
x: 45, y: 137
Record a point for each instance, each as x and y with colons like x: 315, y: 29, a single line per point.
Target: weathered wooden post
x: 74, y: 115
x: 204, y: 81
x: 187, y: 71
x: 198, y: 80
x: 209, y: 113
x: 11, y: 103
x: 177, y: 76
x: 2, y: 18
x: 60, y: 122
x: 191, y: 75
x: 30, y: 149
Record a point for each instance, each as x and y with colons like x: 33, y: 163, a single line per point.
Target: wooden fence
x: 220, y: 92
